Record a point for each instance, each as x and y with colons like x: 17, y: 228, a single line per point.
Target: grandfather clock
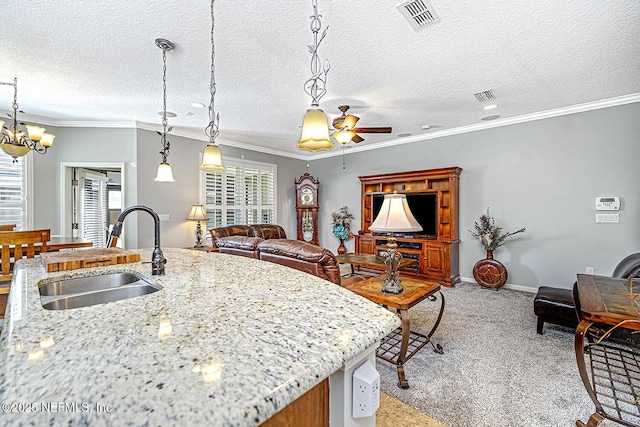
x: 307, y: 208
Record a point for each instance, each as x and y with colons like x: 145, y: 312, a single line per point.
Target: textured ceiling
x: 86, y: 61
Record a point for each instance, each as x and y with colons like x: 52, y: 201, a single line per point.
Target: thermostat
x: 607, y: 203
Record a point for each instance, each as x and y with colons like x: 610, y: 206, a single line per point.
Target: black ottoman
x: 555, y: 305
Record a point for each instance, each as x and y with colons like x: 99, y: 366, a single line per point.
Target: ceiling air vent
x: 485, y: 96
x: 419, y: 13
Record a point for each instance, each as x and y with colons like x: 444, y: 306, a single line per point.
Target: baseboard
x: 507, y: 285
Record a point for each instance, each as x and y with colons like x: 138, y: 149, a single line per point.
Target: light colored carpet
x: 495, y: 370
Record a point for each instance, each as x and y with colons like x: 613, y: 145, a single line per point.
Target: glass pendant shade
x: 15, y: 150
x: 164, y: 173
x: 395, y: 216
x: 47, y: 139
x: 344, y: 136
x: 211, y: 158
x: 315, y: 131
x: 35, y: 132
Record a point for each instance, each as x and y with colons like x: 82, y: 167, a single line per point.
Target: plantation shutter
x: 244, y: 193
x: 12, y: 194
x: 93, y: 208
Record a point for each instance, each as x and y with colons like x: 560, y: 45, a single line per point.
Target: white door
x: 92, y: 207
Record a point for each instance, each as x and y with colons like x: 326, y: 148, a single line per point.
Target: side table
x: 400, y: 345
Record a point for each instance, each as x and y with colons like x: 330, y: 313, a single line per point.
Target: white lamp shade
x: 395, y: 216
x: 212, y: 159
x: 315, y: 131
x: 164, y: 173
x: 47, y: 139
x: 197, y: 213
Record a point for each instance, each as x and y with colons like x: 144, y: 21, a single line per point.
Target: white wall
x: 543, y: 175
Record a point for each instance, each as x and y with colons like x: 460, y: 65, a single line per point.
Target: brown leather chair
x: 302, y: 256
x: 268, y: 231
x: 232, y: 230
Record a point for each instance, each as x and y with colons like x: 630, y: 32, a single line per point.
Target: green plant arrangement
x: 341, y: 222
x: 489, y: 234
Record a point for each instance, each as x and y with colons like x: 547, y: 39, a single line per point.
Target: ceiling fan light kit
x: 345, y: 127
x: 315, y: 126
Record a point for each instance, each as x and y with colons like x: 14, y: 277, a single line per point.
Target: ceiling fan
x: 346, y: 130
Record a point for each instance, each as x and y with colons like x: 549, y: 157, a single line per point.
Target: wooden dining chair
x: 15, y: 245
x: 8, y: 227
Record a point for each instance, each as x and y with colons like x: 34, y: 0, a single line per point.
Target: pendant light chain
x: 165, y: 144
x: 212, y: 129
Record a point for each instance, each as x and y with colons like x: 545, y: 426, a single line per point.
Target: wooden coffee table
x: 400, y: 345
x: 375, y: 262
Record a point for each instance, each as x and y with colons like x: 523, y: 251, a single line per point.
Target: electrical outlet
x: 366, y: 391
x: 590, y: 270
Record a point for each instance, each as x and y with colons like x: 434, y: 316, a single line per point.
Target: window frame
x: 26, y: 185
x: 244, y: 207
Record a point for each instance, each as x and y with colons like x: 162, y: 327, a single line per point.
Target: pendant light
x: 212, y: 157
x: 315, y: 126
x: 164, y: 169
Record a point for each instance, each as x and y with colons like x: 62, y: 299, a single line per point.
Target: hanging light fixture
x: 164, y: 169
x: 14, y: 142
x: 212, y: 157
x: 315, y: 126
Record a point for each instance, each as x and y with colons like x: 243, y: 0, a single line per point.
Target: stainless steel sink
x: 88, y: 284
x: 93, y: 290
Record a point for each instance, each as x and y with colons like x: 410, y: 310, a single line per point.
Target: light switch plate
x: 608, y: 218
x: 164, y: 217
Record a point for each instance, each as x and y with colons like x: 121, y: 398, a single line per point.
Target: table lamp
x: 198, y: 213
x: 394, y: 216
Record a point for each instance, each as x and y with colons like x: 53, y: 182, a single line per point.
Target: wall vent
x: 419, y: 13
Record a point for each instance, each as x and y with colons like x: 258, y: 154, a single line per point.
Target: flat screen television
x: 424, y: 207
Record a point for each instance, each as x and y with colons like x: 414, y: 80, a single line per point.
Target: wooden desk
x: 394, y: 347
x: 613, y: 378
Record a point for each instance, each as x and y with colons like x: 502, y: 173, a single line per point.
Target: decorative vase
x: 489, y: 272
x: 342, y: 249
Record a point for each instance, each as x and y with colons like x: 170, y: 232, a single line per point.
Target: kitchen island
x: 228, y: 340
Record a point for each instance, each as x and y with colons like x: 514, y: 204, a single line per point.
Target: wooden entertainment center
x: 437, y: 255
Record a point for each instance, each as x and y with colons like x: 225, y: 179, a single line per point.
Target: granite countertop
x: 229, y: 340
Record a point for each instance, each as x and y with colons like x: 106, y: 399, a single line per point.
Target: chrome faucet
x: 157, y: 261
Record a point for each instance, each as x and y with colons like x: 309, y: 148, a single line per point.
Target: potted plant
x: 489, y: 272
x: 341, y: 222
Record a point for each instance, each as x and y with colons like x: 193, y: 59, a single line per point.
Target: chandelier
x: 212, y: 157
x: 13, y: 141
x: 315, y: 126
x: 164, y: 169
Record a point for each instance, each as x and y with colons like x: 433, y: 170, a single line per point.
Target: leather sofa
x: 302, y: 256
x: 269, y: 242
x: 243, y: 239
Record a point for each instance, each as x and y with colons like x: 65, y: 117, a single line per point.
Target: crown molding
x: 573, y: 109
x: 199, y: 134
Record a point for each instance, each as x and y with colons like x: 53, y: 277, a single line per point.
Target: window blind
x: 93, y: 208
x: 244, y: 193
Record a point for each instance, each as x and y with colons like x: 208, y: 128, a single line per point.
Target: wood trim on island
x: 438, y: 255
x: 310, y: 410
